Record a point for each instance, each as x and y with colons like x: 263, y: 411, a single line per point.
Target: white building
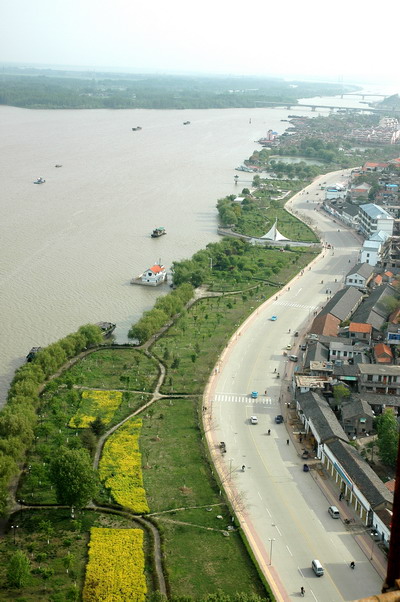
x: 371, y: 249
x: 373, y: 218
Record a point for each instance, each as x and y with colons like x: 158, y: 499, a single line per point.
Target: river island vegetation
x: 56, y: 89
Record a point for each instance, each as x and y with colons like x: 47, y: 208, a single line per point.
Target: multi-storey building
x: 373, y: 218
x: 379, y: 379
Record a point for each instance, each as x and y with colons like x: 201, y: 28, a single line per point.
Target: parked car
x: 288, y: 346
x: 303, y: 347
x: 334, y: 512
x: 279, y: 419
x: 253, y: 420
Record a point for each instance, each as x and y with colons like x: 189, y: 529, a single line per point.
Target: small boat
x: 186, y: 123
x: 32, y: 353
x: 157, y: 232
x: 107, y: 328
x: 136, y: 129
x: 39, y: 181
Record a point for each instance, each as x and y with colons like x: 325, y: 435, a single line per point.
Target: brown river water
x: 69, y: 247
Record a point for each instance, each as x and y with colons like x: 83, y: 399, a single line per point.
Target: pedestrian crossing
x: 296, y: 305
x: 228, y: 398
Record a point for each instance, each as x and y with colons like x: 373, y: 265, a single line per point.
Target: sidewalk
x: 328, y: 487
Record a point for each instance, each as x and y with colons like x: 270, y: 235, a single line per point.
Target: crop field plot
x: 96, y: 404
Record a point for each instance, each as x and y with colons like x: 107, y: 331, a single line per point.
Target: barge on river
x: 153, y: 276
x: 107, y: 328
x: 31, y: 355
x: 157, y: 232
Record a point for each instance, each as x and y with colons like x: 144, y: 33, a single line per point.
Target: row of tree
x: 164, y: 309
x: 57, y: 89
x: 19, y: 416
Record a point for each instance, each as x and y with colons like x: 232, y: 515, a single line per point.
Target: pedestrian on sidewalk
x: 340, y: 496
x: 287, y: 441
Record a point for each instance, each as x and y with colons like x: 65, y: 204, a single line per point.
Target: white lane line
x: 277, y: 528
x: 259, y: 495
x: 288, y: 549
x: 268, y: 512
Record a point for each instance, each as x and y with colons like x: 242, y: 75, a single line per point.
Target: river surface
x: 69, y: 247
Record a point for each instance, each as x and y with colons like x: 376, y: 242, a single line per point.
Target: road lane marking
x: 296, y: 305
x: 259, y: 495
x: 288, y: 549
x: 230, y: 398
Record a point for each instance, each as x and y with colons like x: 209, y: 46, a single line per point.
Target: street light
x: 271, y: 540
x: 14, y: 528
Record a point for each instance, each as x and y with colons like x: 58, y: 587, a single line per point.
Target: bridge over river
x: 314, y: 107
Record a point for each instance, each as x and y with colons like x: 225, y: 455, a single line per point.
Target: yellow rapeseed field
x: 115, y: 571
x: 121, y: 467
x: 96, y: 403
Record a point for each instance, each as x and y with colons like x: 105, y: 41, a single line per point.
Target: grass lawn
x: 174, y: 469
x: 115, y: 369
x: 199, y: 558
x: 201, y: 562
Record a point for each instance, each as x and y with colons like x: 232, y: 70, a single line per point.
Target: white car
x: 254, y: 420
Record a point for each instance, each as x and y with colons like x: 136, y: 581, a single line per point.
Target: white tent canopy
x: 274, y: 234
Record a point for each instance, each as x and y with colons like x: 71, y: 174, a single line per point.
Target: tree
x: 19, y: 569
x: 340, y: 393
x: 73, y: 477
x: 92, y: 334
x: 98, y: 426
x: 388, y: 437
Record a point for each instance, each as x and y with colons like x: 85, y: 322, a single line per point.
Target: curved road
x: 284, y: 511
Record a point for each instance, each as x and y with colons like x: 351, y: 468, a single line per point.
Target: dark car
x: 303, y: 347
x: 279, y: 419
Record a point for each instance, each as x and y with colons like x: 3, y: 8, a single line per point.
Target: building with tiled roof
x: 383, y: 354
x: 359, y: 275
x: 325, y: 324
x: 359, y: 331
x: 370, y: 166
x: 373, y: 310
x: 361, y: 190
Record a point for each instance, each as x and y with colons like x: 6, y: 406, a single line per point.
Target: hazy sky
x: 342, y: 39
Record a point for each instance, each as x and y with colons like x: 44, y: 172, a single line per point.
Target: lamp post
x: 271, y: 540
x: 372, y: 547
x: 14, y: 528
